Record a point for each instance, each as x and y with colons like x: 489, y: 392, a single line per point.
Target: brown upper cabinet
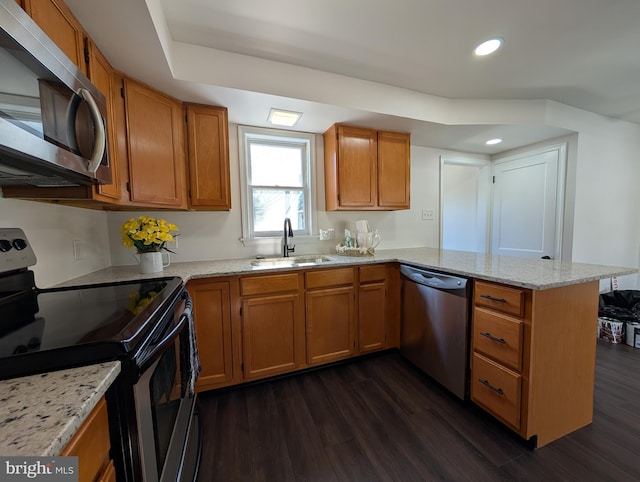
x: 208, y: 157
x: 155, y: 143
x: 102, y: 75
x: 366, y: 169
x: 146, y: 135
x: 61, y: 26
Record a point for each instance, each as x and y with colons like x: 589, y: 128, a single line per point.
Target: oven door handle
x: 148, y: 357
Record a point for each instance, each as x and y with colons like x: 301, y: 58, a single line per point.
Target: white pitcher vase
x: 151, y: 262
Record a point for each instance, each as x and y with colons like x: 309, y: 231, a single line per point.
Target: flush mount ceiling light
x: 488, y: 47
x: 491, y: 142
x: 286, y: 118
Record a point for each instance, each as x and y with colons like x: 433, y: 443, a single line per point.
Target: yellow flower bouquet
x: 147, y: 234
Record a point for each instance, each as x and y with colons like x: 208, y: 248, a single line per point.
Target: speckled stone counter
x: 536, y: 274
x: 40, y: 413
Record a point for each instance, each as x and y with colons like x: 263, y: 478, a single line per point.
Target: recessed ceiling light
x: 491, y: 142
x: 284, y: 117
x: 488, y: 47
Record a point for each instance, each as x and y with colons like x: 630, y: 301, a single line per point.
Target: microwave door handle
x: 100, y: 140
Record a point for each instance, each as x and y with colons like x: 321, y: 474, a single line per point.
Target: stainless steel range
x: 146, y: 324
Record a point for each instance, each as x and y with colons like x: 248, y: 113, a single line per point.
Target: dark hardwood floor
x: 380, y: 419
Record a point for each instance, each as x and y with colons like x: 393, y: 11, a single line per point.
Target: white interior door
x: 465, y: 189
x: 527, y: 204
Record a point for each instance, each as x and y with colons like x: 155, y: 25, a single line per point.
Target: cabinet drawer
x: 329, y: 277
x: 377, y: 272
x: 498, y: 336
x: 276, y: 283
x: 496, y: 389
x: 498, y: 297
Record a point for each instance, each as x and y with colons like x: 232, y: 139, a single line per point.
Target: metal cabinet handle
x: 488, y: 385
x: 489, y: 297
x: 491, y: 337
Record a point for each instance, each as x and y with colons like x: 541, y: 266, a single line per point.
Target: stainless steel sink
x: 291, y: 262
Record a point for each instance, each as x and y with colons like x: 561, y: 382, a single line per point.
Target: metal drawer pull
x: 488, y: 385
x: 491, y: 337
x: 489, y: 297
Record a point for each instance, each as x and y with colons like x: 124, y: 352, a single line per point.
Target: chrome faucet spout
x: 288, y: 233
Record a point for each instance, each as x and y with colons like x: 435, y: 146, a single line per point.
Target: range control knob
x: 4, y: 245
x: 19, y: 244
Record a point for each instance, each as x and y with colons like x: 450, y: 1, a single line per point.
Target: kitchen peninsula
x: 546, y: 393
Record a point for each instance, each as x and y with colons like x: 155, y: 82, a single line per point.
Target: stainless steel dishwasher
x: 435, y: 326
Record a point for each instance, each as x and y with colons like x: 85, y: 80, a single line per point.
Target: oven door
x: 167, y: 421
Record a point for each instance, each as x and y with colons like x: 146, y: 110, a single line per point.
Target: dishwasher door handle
x: 432, y: 279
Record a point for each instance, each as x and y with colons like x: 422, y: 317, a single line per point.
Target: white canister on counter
x: 632, y: 336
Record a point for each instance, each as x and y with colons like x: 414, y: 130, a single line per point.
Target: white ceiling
x: 386, y: 64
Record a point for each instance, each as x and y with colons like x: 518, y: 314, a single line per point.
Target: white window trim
x: 245, y: 132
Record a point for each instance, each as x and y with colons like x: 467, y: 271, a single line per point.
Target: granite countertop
x: 535, y: 274
x: 40, y: 413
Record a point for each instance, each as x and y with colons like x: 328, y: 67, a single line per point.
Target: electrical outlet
x: 427, y: 215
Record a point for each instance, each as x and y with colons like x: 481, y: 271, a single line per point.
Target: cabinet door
x: 101, y: 74
x: 109, y: 475
x: 208, y: 141
x: 393, y: 170
x: 155, y: 136
x: 372, y: 322
x: 357, y: 170
x: 272, y: 334
x: 212, y: 312
x: 57, y: 21
x: 91, y: 444
x: 330, y: 324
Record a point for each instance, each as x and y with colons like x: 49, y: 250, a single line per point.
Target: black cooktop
x: 42, y: 330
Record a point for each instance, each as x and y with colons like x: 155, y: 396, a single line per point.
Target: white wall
x: 51, y: 229
x: 216, y: 235
x: 601, y: 216
x: 607, y: 220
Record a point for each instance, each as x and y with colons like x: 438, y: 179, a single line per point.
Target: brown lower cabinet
x: 212, y: 309
x: 255, y: 326
x: 372, y: 308
x: 272, y: 321
x: 533, y: 357
x: 330, y: 315
x: 91, y: 445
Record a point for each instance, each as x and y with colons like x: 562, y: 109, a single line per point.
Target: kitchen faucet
x: 288, y: 233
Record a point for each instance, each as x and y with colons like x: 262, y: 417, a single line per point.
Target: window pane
x: 275, y: 165
x: 271, y: 206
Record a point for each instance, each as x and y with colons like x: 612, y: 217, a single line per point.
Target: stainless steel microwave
x: 52, y: 118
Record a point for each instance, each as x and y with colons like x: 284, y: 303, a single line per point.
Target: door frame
x: 561, y: 149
